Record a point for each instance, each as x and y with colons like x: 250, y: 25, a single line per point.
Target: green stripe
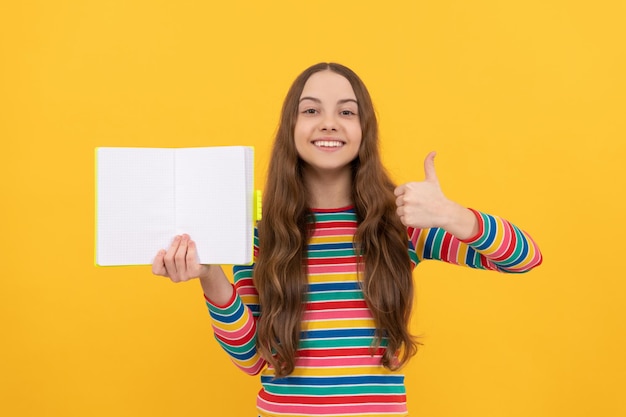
x: 335, y: 296
x: 437, y: 243
x: 330, y: 253
x: 413, y: 256
x: 238, y: 349
x: 338, y: 343
x: 329, y: 217
x: 486, y: 229
x: 225, y: 311
x: 244, y: 272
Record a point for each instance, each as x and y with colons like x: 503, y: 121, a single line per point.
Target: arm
x: 499, y: 245
x: 234, y: 324
x: 442, y: 229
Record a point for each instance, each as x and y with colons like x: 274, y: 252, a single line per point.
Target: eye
x: 347, y: 113
x: 309, y: 111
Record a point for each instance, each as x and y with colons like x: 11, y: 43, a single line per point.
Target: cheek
x: 299, y: 130
x: 357, y: 133
x: 298, y: 138
x: 303, y: 131
x: 358, y: 139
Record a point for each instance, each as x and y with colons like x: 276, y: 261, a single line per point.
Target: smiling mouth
x: 328, y: 143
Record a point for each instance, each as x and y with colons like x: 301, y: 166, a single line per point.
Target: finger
x: 192, y: 254
x: 399, y: 190
x: 400, y: 201
x: 158, y: 267
x: 181, y: 257
x: 168, y: 259
x: 429, y: 167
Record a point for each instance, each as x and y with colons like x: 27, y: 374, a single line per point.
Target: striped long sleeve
x: 234, y: 324
x: 499, y: 245
x: 234, y: 328
x: 337, y: 373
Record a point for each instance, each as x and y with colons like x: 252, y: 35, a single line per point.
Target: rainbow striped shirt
x: 336, y: 372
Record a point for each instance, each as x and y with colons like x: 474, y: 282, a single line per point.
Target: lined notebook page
x: 135, y: 204
x: 214, y: 202
x: 146, y: 196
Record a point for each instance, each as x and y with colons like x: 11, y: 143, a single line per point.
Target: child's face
x: 328, y: 129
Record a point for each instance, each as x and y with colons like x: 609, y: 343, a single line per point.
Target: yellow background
x: 525, y: 101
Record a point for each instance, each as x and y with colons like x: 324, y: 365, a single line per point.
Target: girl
x: 323, y: 313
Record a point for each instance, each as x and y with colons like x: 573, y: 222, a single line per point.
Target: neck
x: 329, y: 189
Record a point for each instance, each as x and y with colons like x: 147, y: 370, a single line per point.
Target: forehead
x: 328, y: 85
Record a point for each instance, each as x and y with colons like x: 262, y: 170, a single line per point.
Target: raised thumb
x: 429, y: 167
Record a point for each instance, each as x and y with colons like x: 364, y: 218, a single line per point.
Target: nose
x: 328, y: 123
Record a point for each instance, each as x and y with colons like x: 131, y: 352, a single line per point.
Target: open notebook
x: 146, y: 196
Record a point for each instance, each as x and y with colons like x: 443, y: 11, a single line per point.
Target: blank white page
x: 214, y: 202
x: 135, y: 210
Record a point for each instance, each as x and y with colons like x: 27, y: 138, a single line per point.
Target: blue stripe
x: 334, y: 286
x: 242, y: 268
x: 327, y: 246
x: 341, y: 380
x: 472, y: 258
x: 230, y: 318
x: 429, y: 243
x: 491, y: 229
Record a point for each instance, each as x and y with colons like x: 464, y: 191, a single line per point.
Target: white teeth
x: 328, y: 143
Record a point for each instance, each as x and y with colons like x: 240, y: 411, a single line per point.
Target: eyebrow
x: 342, y: 101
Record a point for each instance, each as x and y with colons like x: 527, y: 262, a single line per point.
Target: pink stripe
x: 454, y: 251
x: 332, y: 409
x: 319, y: 315
x: 340, y: 232
x: 254, y: 369
x: 332, y: 269
x: 338, y: 362
x: 415, y: 235
x: 247, y: 291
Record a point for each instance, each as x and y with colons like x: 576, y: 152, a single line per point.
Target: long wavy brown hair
x: 380, y: 241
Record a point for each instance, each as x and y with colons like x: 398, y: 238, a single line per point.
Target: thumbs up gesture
x: 420, y: 204
x: 423, y: 205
